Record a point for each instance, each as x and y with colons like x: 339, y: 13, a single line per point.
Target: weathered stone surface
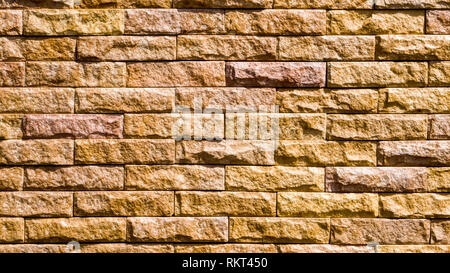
x: 225, y: 204
x: 75, y: 229
x: 201, y: 21
x: 327, y: 101
x: 36, y: 100
x: 324, y: 248
x: 413, y: 249
x: 249, y: 99
x: 415, y: 205
x: 154, y: 203
x: 74, y: 178
x: 324, y: 48
x: 439, y: 74
x: 303, y: 204
x: 152, y: 21
x: 162, y: 74
x: 74, y: 74
x: 226, y: 47
x: 440, y: 127
x: 99, y: 3
x: 438, y: 22
x: 323, y: 4
x: 127, y: 248
x: 240, y: 4
x: 36, y: 204
x: 33, y: 248
x: 127, y: 48
x: 11, y: 230
x: 10, y: 22
x: 307, y: 153
x: 73, y: 22
x: 120, y: 100
x: 226, y: 248
x: 178, y: 229
x: 275, y: 74
x: 37, y: 4
x: 414, y: 153
x: 73, y: 126
x: 36, y: 152
x: 377, y: 74
x: 382, y: 231
x: 368, y: 22
x: 144, y: 3
x: 276, y: 22
x: 10, y: 126
x: 413, y: 47
x: 11, y: 49
x: 256, y: 152
x: 415, y: 100
x: 11, y: 178
x: 12, y: 74
x: 276, y: 178
x: 49, y: 49
x: 150, y: 125
x: 439, y: 179
x: 408, y: 4
x: 440, y: 230
x: 126, y: 151
x: 174, y: 177
x: 377, y: 127
x: 379, y: 179
x: 279, y: 230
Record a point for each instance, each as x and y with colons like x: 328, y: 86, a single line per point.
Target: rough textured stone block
x: 440, y: 127
x: 327, y: 204
x: 124, y: 203
x: 382, y: 231
x: 415, y: 100
x: 126, y: 248
x: 152, y: 21
x: 11, y: 178
x: 143, y: 3
x: 413, y: 249
x: 51, y: 49
x: 36, y: 204
x: 126, y: 151
x: 201, y: 21
x: 275, y: 74
x: 323, y: 4
x: 225, y: 204
x: 440, y: 229
x: 10, y: 22
x: 439, y: 74
x: 178, y: 229
x: 10, y: 126
x: 241, y: 4
x: 439, y: 179
x: 226, y: 248
x: 379, y: 179
x: 277, y: 178
x: 413, y: 47
x: 12, y: 74
x: 414, y: 153
x: 438, y: 22
x: 36, y: 152
x: 34, y: 248
x: 12, y: 230
x: 408, y: 4
x: 324, y: 248
x: 415, y: 205
x: 174, y: 177
x: 279, y: 230
x: 37, y: 4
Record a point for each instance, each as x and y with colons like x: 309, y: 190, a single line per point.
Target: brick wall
x: 359, y: 90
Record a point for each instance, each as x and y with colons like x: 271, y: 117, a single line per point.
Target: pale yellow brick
x: 11, y: 230
x: 415, y: 100
x: 439, y: 74
x: 36, y: 204
x: 11, y: 178
x: 36, y: 152
x: 415, y: 205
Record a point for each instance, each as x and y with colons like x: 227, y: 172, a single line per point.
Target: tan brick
x: 11, y: 49
x: 11, y: 178
x: 178, y: 229
x: 440, y: 127
x: 323, y: 4
x: 12, y: 74
x: 324, y: 48
x: 37, y: 4
x: 162, y: 74
x: 225, y: 204
x: 414, y: 153
x: 241, y: 4
x: 75, y: 229
x: 124, y: 203
x: 276, y: 22
x: 439, y: 74
x: 76, y: 74
x: 377, y: 74
x: 99, y: 3
x: 382, y: 231
x: 74, y: 178
x: 327, y: 204
x: 377, y: 127
x: 440, y: 229
x: 36, y: 152
x: 376, y: 179
x: 127, y: 48
x: 257, y: 152
x: 174, y: 177
x: 10, y: 126
x: 202, y: 21
x: 413, y: 47
x: 415, y: 205
x: 226, y: 47
x: 73, y: 22
x: 439, y: 179
x: 408, y: 4
x: 226, y: 248
x: 307, y: 153
x: 438, y: 22
x: 126, y: 151
x: 120, y: 100
x: 327, y: 101
x: 34, y: 248
x: 279, y: 230
x: 11, y: 230
x: 368, y: 22
x: 49, y: 49
x: 413, y: 249
x: 324, y: 248
x: 36, y: 100
x: 145, y: 3
x: 36, y: 204
x: 274, y: 178
x: 127, y: 248
x: 152, y: 21
x: 10, y: 22
x: 415, y: 100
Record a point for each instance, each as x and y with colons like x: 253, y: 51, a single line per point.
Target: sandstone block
x: 413, y: 47
x: 152, y: 21
x: 239, y: 4
x: 414, y: 153
x: 438, y: 22
x: 324, y: 248
x: 36, y: 152
x: 415, y: 100
x: 12, y: 230
x: 49, y: 49
x: 11, y: 178
x: 439, y: 74
x: 323, y: 4
x: 413, y: 249
x: 440, y: 229
x: 34, y: 248
x: 126, y: 248
x: 439, y: 179
x: 415, y: 205
x: 12, y: 74
x: 144, y: 3
x: 36, y: 204
x: 10, y: 126
x: 407, y: 4
x: 10, y: 22
x: 226, y: 248
x: 440, y: 127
